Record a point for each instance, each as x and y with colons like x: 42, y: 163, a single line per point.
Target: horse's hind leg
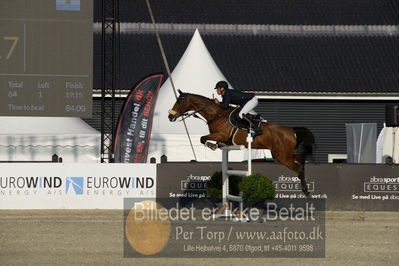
x: 299, y: 168
x: 295, y: 162
x: 301, y: 176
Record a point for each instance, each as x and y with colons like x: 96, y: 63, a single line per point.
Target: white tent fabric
x: 380, y: 144
x: 391, y: 144
x: 195, y: 73
x: 38, y: 138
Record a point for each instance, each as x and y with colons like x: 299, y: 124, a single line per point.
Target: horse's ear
x: 180, y: 92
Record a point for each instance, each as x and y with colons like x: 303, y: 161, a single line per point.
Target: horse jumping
x: 289, y: 146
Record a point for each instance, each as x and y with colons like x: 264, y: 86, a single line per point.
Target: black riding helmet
x: 222, y: 84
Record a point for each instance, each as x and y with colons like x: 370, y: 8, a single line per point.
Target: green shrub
x: 256, y: 188
x: 215, y: 186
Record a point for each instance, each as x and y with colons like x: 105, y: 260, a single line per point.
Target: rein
x: 186, y: 115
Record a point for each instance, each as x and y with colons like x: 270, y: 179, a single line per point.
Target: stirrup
x: 257, y: 117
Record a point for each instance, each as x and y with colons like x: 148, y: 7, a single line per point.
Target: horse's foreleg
x: 211, y: 137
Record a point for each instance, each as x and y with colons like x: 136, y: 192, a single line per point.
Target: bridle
x: 186, y: 115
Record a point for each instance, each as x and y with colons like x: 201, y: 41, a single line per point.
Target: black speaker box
x: 392, y: 115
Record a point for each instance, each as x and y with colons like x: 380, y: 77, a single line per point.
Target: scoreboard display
x: 46, y: 58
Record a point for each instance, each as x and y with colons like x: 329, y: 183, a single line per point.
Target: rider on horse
x: 247, y: 101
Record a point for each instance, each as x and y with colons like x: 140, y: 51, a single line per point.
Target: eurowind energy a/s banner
x: 133, y: 133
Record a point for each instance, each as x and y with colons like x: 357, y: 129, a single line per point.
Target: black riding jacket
x: 235, y: 97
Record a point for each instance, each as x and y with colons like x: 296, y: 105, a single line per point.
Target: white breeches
x: 249, y: 107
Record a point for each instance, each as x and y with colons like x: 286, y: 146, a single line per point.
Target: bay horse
x: 289, y: 146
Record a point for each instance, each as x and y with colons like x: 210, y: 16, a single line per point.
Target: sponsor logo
x: 291, y: 183
x: 20, y: 182
x: 76, y: 183
x: 194, y: 182
x: 382, y: 184
x: 119, y: 182
x: 193, y: 185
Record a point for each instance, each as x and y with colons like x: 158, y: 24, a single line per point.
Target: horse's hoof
x: 210, y: 145
x: 213, y: 146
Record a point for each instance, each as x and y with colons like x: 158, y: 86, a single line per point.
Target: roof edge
x: 326, y: 95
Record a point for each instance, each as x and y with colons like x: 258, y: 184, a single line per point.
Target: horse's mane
x: 209, y: 101
x: 200, y: 96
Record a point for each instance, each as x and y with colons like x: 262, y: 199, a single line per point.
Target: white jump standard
x: 226, y: 197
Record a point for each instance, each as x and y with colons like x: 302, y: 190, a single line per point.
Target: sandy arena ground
x: 95, y: 237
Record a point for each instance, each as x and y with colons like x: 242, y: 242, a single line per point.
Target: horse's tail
x: 305, y: 141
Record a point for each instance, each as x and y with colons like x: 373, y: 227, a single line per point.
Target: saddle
x: 243, y: 124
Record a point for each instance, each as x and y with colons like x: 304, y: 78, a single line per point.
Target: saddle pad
x: 236, y: 121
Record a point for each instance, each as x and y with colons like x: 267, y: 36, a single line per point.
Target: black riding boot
x: 255, y: 123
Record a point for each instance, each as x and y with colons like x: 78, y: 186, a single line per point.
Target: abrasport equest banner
x: 133, y: 133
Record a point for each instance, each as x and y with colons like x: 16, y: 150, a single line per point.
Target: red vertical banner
x: 132, y: 138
